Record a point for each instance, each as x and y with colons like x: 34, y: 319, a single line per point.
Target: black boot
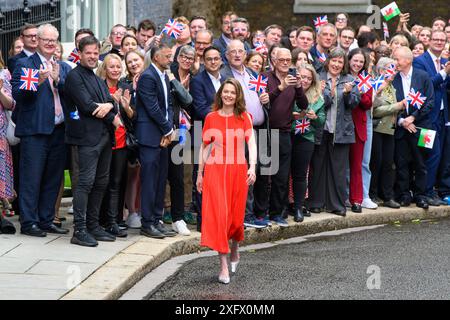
x: 298, y: 215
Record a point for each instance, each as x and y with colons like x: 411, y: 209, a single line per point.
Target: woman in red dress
x: 224, y: 175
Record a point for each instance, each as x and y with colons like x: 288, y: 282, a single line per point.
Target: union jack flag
x: 173, y: 29
x: 258, y: 84
x: 385, y: 30
x: 302, y: 126
x: 391, y: 71
x: 377, y: 82
x: 261, y: 47
x: 29, y: 79
x: 416, y: 99
x: 320, y: 21
x: 364, y: 82
x: 322, y: 57
x: 74, y: 56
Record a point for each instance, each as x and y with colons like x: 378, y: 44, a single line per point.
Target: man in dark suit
x: 326, y: 37
x: 90, y: 117
x: 40, y: 125
x: 203, y: 88
x: 408, y: 130
x: 222, y: 42
x: 28, y: 35
x: 154, y: 131
x: 438, y: 70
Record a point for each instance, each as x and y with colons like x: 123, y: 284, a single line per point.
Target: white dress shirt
x: 162, y: 77
x: 215, y: 81
x: 406, y: 83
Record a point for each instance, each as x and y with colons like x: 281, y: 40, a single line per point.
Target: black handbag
x: 131, y: 140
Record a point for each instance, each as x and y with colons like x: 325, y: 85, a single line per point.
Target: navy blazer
x: 13, y: 61
x: 421, y: 82
x: 319, y: 66
x: 35, y: 111
x: 203, y: 92
x: 152, y: 123
x: 425, y: 63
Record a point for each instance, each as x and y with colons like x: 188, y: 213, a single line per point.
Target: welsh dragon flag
x: 426, y: 139
x: 390, y: 11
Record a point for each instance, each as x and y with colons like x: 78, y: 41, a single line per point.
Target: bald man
x: 407, y: 132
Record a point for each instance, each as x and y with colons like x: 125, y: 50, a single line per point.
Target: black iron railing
x: 12, y: 21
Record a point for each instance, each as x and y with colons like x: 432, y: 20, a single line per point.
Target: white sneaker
x: 181, y: 228
x: 134, y: 221
x: 369, y: 204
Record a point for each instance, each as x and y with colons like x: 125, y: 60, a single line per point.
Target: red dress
x: 224, y: 183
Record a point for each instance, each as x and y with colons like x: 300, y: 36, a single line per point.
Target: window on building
x: 98, y: 15
x: 327, y: 6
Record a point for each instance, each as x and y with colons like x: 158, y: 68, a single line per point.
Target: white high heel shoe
x: 234, y: 266
x: 224, y: 279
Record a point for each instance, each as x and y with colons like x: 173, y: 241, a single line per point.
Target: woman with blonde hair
x: 303, y: 136
x: 397, y: 41
x: 224, y: 175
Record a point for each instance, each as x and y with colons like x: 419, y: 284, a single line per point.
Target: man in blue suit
x: 408, y: 130
x: 203, y: 88
x: 40, y: 125
x: 28, y: 35
x: 154, y: 130
x: 432, y: 63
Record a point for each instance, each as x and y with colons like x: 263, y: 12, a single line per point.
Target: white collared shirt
x: 28, y: 53
x: 215, y: 81
x: 162, y: 76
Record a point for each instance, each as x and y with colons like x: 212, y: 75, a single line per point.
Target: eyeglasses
x: 239, y: 29
x: 118, y: 33
x: 284, y: 60
x: 29, y: 36
x: 236, y: 52
x: 439, y: 40
x: 215, y: 59
x: 48, y: 41
x: 185, y: 58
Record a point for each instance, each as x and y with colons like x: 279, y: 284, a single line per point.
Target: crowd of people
x: 118, y: 111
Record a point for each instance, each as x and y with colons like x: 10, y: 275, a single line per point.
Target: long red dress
x: 224, y: 183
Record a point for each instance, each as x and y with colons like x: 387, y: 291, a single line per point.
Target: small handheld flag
x: 416, y: 99
x: 385, y: 30
x: 364, y: 82
x: 426, y: 139
x: 29, y: 79
x: 391, y: 71
x: 261, y: 48
x: 320, y: 21
x: 258, y: 84
x: 377, y: 83
x: 390, y: 11
x: 74, y: 56
x: 173, y: 29
x: 322, y: 57
x: 302, y: 126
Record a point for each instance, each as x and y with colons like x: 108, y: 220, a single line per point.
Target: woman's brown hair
x: 255, y: 53
x: 239, y: 107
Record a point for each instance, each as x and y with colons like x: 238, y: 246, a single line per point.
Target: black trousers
x: 382, y: 167
x: 302, y: 151
x: 328, y: 175
x: 280, y: 179
x: 112, y: 206
x: 93, y: 178
x: 409, y: 155
x: 176, y: 182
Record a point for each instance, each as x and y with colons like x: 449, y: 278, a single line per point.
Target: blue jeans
x: 366, y: 174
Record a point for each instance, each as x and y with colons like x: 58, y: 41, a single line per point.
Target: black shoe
x: 433, y: 202
x: 356, y: 208
x: 298, y: 215
x: 152, y: 232
x: 55, y: 230
x: 377, y: 200
x: 34, y: 231
x: 101, y: 235
x: 341, y: 213
x: 83, y: 238
x: 405, y: 202
x: 285, y: 213
x: 421, y: 203
x: 315, y: 210
x: 306, y: 212
x: 116, y: 231
x: 123, y: 225
x: 164, y: 231
x: 391, y: 204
